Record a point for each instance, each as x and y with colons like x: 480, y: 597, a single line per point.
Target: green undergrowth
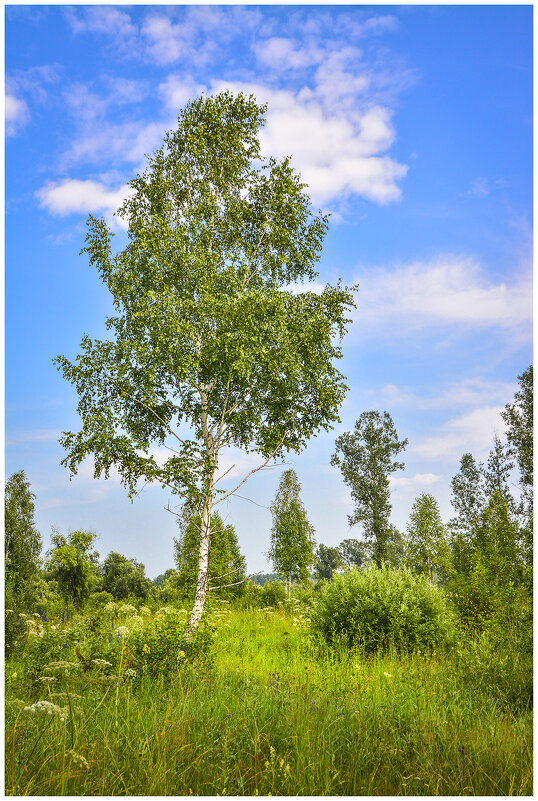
x: 276, y: 711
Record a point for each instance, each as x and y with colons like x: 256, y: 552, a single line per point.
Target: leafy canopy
x: 292, y: 536
x: 209, y: 347
x: 366, y: 457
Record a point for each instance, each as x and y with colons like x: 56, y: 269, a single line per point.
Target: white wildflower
x: 145, y: 611
x: 78, y: 759
x: 129, y: 673
x: 46, y: 708
x: 47, y: 679
x: 127, y: 610
x: 122, y: 631
x: 111, y: 607
x: 102, y: 663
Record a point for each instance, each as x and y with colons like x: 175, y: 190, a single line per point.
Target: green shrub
x: 381, y: 607
x: 160, y: 647
x: 273, y: 593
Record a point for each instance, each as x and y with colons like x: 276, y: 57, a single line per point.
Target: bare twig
x: 235, y: 583
x: 255, y: 470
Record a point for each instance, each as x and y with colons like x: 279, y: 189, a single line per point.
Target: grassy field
x: 271, y: 711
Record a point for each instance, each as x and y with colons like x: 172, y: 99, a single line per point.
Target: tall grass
x: 279, y: 713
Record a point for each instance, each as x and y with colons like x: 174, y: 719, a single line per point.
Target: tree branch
x: 255, y: 470
x: 235, y: 583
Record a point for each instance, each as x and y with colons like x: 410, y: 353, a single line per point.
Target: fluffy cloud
x: 336, y: 154
x: 472, y: 432
x: 100, y: 19
x: 451, y: 290
x: 83, y: 197
x: 281, y: 53
x: 17, y: 114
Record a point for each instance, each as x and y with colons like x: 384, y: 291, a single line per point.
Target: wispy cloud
x: 472, y: 432
x: 464, y: 393
x: 414, y: 482
x: 449, y: 291
x: 37, y: 435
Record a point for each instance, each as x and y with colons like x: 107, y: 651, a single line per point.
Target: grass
x: 278, y: 713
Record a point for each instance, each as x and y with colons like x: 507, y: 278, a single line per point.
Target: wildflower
x: 122, y: 631
x: 14, y: 675
x: 388, y: 675
x: 144, y: 611
x: 127, y: 610
x: 44, y: 708
x: 102, y: 663
x: 78, y: 759
x: 46, y: 679
x: 62, y: 667
x: 181, y: 655
x: 146, y: 649
x: 130, y: 673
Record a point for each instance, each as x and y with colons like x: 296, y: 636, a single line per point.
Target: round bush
x: 379, y: 607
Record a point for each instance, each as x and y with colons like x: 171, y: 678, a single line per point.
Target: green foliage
x: 273, y: 593
x: 226, y: 562
x: 518, y: 417
x: 22, y: 548
x: 292, y: 536
x: 208, y: 337
x: 160, y: 647
x: 123, y: 577
x: 381, y: 607
x: 427, y: 550
x: 327, y: 561
x: 73, y: 562
x: 353, y: 553
x: 366, y: 458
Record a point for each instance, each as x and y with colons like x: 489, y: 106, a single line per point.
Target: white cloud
x: 100, y: 19
x: 175, y: 91
x: 467, y: 392
x: 17, y: 114
x: 36, y: 435
x: 336, y: 154
x: 414, y: 482
x: 73, y: 196
x: 450, y: 291
x: 281, y: 53
x: 124, y: 142
x: 472, y: 432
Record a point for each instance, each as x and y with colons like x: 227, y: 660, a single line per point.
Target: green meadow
x: 258, y: 704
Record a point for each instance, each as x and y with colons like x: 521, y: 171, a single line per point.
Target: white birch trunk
x: 203, y: 565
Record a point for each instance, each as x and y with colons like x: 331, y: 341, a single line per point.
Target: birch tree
x: 209, y: 347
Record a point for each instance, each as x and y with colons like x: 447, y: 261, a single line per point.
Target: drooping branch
x: 235, y: 583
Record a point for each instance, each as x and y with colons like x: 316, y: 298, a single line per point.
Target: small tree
x: 210, y: 346
x: 469, y: 500
x: 22, y: 542
x: 123, y: 577
x: 292, y: 536
x: 74, y: 563
x: 427, y: 549
x: 354, y: 553
x: 366, y: 458
x: 226, y: 562
x: 328, y: 560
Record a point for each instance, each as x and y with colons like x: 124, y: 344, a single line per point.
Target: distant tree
x: 366, y: 458
x: 497, y: 472
x: 395, y: 547
x: 496, y: 541
x: 292, y: 536
x: 263, y: 578
x: 354, y: 553
x: 123, y: 577
x: 518, y: 417
x: 468, y: 500
x: 328, y: 560
x: 74, y: 563
x: 426, y: 548
x: 159, y: 580
x: 226, y: 563
x: 209, y: 347
x: 22, y: 542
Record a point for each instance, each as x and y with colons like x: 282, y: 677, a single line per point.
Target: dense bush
x: 380, y: 607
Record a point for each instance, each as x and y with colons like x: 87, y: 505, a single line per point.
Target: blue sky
x: 412, y: 125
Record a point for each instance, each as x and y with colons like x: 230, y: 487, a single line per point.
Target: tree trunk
x: 203, y: 565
